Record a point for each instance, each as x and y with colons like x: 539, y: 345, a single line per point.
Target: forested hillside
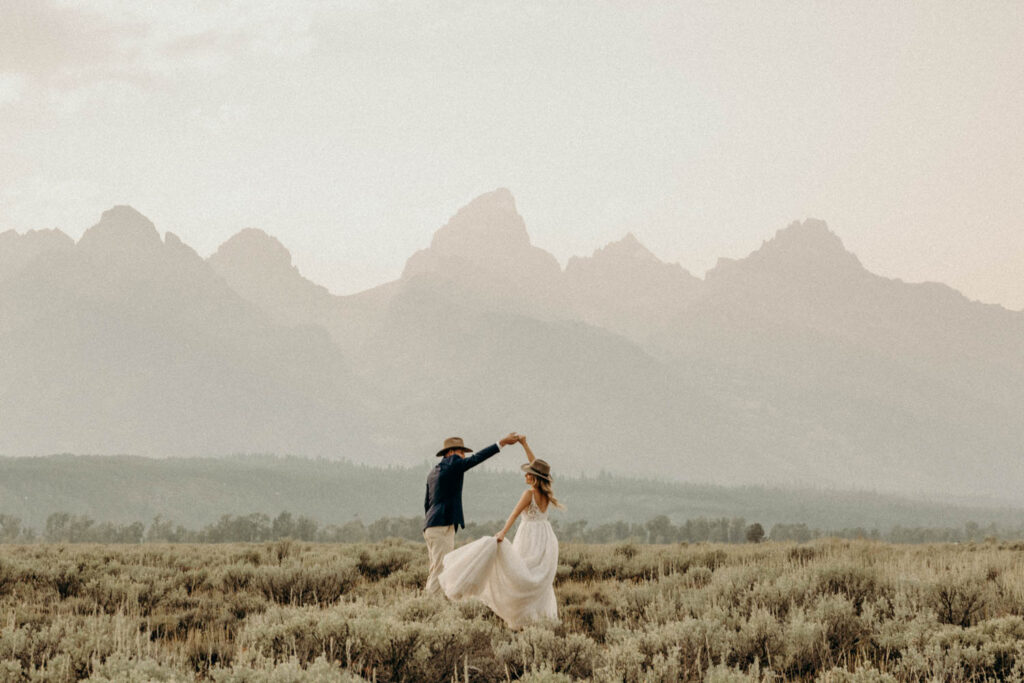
x: 197, y: 491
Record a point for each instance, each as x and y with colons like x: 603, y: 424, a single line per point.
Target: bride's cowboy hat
x: 539, y: 469
x: 453, y: 444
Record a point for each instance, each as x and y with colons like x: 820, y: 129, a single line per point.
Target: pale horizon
x: 352, y: 132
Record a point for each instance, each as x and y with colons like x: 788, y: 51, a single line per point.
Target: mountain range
x: 792, y: 366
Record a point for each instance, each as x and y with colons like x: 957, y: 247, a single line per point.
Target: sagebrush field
x: 287, y: 611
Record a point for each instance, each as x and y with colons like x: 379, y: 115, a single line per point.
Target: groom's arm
x: 478, y: 457
x: 484, y: 453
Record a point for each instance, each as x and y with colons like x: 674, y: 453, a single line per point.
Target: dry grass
x: 289, y: 611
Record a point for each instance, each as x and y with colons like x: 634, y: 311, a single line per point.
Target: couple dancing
x: 515, y: 579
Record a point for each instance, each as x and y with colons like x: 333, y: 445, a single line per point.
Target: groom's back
x: 443, y: 504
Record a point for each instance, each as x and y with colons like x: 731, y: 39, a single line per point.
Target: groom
x: 443, y: 504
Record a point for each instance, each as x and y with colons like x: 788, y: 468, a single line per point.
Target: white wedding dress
x: 515, y: 579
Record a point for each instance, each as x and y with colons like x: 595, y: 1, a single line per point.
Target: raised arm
x: 484, y: 453
x: 526, y: 447
x: 524, y: 500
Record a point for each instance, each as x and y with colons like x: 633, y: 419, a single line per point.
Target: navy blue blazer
x: 443, y: 504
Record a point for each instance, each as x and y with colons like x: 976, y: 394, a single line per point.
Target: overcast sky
x: 353, y: 130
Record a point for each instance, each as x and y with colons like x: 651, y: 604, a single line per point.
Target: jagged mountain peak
x: 489, y: 222
x: 484, y: 252
x: 500, y: 197
x: 123, y: 212
x: 629, y: 247
x: 259, y: 268
x: 497, y: 200
x: 629, y: 257
x: 256, y: 248
x: 16, y: 251
x: 47, y: 235
x: 488, y: 236
x: 625, y: 288
x: 801, y: 247
x: 810, y: 243
x: 122, y: 230
x: 173, y: 245
x: 810, y: 235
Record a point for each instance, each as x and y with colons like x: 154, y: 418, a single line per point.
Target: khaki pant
x: 440, y: 541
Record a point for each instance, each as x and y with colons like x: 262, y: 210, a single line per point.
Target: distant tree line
x: 971, y: 531
x: 64, y: 527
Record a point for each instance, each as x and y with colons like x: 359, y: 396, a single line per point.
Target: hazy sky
x: 352, y: 130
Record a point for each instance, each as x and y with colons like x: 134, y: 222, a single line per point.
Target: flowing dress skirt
x: 515, y: 579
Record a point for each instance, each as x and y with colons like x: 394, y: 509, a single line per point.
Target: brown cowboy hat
x: 538, y: 468
x: 453, y: 443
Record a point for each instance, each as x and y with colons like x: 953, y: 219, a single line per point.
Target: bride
x: 513, y: 579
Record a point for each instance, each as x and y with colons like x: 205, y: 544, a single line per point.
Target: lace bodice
x: 533, y: 513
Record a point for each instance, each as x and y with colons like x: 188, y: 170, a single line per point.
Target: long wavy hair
x: 544, y: 486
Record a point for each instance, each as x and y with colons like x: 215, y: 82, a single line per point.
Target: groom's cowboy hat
x: 538, y: 468
x: 453, y: 444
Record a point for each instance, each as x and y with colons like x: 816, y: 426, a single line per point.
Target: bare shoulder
x: 539, y: 500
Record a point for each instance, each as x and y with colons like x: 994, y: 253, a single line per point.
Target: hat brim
x: 528, y: 468
x: 454, y: 448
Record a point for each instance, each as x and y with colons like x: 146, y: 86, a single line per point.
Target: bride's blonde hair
x: 544, y: 486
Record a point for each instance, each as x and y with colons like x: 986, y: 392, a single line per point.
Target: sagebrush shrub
x: 858, y: 584
x: 281, y: 612
x: 959, y: 601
